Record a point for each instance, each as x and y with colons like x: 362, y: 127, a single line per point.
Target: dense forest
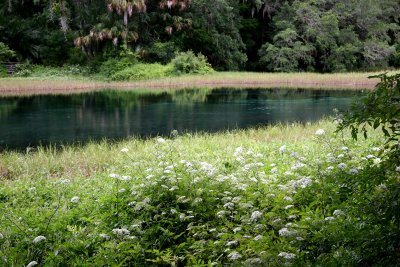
x: 253, y: 35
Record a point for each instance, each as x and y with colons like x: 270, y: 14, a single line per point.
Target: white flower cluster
x: 320, y: 132
x: 32, y: 263
x: 121, y: 231
x: 255, y: 215
x: 75, y: 200
x: 302, y: 182
x: 286, y: 255
x: 39, y: 239
x: 284, y: 232
x: 234, y: 255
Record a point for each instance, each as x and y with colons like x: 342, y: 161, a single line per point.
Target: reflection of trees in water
x: 7, y: 107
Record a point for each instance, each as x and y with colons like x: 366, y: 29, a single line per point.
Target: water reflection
x: 29, y: 121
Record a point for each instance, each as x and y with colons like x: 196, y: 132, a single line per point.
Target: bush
x: 5, y: 52
x: 3, y: 71
x: 380, y: 109
x: 142, y: 72
x: 188, y: 62
x: 113, y: 65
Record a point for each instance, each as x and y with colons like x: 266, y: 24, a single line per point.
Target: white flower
x: 1, y: 236
x: 125, y: 178
x: 298, y: 166
x: 303, y: 182
x: 75, y: 199
x: 257, y: 237
x: 284, y: 232
x: 289, y: 207
x: 32, y: 263
x: 345, y: 148
x: 282, y: 149
x: 114, y: 175
x: 121, y: 231
x: 237, y: 229
x: 161, y: 140
x: 370, y: 156
x: 220, y: 214
x: 234, y: 256
x: 105, y: 236
x: 39, y: 239
x: 329, y: 219
x: 274, y: 170
x: 377, y: 161
x: 256, y: 215
x: 330, y: 168
x: 397, y: 168
x: 287, y: 256
x: 124, y: 150
x: 320, y: 132
x: 338, y: 213
x: 376, y: 149
x: 288, y: 198
x: 353, y: 171
x: 231, y: 243
x: 229, y: 205
x: 342, y: 166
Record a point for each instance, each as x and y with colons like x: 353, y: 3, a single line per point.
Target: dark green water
x: 30, y: 121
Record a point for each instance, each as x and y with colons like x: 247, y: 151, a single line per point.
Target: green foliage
x: 161, y: 52
x: 379, y: 109
x: 40, y: 71
x: 113, y: 65
x: 5, y: 52
x: 3, y: 71
x: 142, y: 71
x: 230, y: 199
x: 188, y: 63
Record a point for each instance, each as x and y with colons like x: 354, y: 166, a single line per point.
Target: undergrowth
x: 280, y: 196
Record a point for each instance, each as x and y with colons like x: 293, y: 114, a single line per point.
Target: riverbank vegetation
x: 285, y: 195
x: 274, y: 36
x: 297, y: 195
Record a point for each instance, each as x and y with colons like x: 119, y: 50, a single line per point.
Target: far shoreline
x: 15, y: 86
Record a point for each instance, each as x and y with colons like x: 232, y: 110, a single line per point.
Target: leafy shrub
x: 23, y: 70
x: 114, y: 65
x: 3, y: 71
x: 381, y: 108
x: 5, y: 52
x: 188, y: 62
x: 142, y: 72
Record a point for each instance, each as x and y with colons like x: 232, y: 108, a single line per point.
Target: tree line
x: 253, y: 35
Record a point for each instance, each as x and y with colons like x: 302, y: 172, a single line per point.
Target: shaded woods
x: 306, y: 35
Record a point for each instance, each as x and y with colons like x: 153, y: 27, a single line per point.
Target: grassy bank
x: 67, y: 84
x: 277, y: 196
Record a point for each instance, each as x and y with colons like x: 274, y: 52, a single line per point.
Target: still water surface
x: 63, y: 119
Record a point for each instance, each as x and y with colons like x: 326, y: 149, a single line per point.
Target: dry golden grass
x: 25, y: 86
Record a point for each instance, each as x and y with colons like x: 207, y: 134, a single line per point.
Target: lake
x: 111, y: 114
